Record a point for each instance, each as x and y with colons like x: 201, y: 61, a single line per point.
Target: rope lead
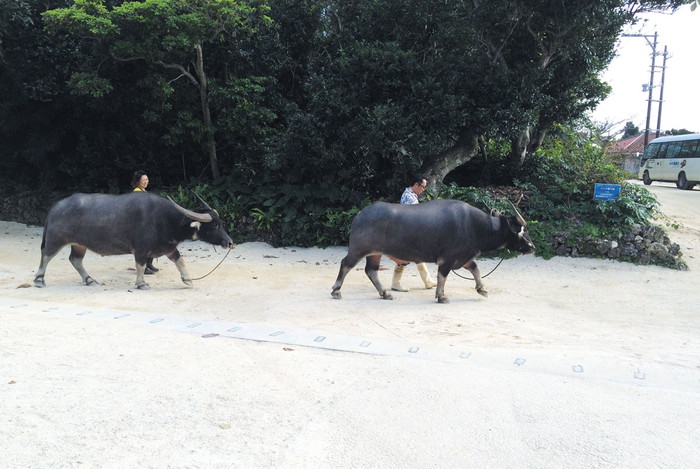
x: 216, y: 267
x: 483, y: 276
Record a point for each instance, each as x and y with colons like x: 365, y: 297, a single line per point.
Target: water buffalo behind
x: 449, y: 233
x: 143, y: 224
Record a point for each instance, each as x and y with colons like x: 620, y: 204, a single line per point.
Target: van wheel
x: 646, y: 178
x: 682, y: 182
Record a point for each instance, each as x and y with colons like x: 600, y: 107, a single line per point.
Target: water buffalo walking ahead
x: 145, y: 225
x: 448, y: 232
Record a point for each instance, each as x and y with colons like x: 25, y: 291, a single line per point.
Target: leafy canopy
x: 164, y: 32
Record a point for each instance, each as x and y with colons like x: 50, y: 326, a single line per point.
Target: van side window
x: 674, y: 148
x: 662, y: 150
x: 694, y: 149
x: 687, y: 149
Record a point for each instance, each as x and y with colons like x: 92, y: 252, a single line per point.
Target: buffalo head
x: 518, y: 239
x: 207, y: 224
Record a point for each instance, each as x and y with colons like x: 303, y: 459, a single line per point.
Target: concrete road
x: 682, y: 206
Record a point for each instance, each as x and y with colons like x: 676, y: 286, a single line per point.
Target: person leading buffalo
x: 139, y: 182
x: 410, y: 197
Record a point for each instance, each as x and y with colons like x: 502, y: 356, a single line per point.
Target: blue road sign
x: 606, y: 192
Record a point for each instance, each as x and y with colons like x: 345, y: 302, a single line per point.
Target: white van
x: 672, y: 159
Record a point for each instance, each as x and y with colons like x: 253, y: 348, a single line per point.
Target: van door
x: 671, y: 164
x: 655, y: 162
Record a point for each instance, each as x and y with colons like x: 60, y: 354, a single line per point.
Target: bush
x: 554, y: 190
x: 280, y: 214
x: 560, y: 179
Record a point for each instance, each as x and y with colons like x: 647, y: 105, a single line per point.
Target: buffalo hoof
x: 91, y: 282
x: 39, y: 283
x: 187, y: 282
x: 336, y: 294
x: 387, y: 296
x: 443, y: 299
x: 482, y: 292
x: 143, y: 287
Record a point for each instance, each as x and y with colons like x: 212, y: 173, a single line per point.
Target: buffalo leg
x: 474, y: 269
x: 372, y: 269
x: 140, y: 262
x: 180, y: 264
x: 443, y: 271
x: 39, y: 277
x: 77, y: 253
x: 346, y: 266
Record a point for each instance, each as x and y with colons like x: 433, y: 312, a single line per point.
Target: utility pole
x: 653, y: 44
x: 651, y: 88
x: 661, y: 94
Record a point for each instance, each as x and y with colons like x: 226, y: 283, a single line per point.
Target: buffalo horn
x: 518, y: 215
x: 200, y: 217
x: 206, y: 205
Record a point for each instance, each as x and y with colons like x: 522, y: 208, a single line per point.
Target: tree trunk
x: 436, y: 167
x: 206, y: 112
x: 518, y: 148
x: 536, y: 141
x: 210, y: 141
x: 524, y: 144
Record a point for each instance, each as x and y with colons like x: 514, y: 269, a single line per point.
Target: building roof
x: 630, y: 145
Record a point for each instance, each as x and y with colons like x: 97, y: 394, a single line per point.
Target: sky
x: 631, y: 68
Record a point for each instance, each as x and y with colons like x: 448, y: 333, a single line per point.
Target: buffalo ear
x: 513, y: 224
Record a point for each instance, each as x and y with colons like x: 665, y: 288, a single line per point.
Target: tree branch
x: 552, y: 50
x: 493, y: 52
x: 182, y: 70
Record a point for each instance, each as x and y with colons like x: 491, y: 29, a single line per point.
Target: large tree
x: 390, y: 85
x: 553, y: 53
x: 418, y: 83
x: 34, y: 107
x: 544, y: 58
x: 339, y: 96
x: 171, y: 34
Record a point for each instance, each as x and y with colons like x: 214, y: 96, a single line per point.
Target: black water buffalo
x: 145, y: 225
x: 448, y: 232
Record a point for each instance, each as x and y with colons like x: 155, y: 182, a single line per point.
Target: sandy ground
x: 568, y: 363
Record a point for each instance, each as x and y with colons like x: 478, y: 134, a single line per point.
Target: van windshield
x: 651, y: 151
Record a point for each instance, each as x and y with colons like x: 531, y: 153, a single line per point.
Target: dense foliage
x: 289, y: 92
x: 293, y: 114
x: 560, y: 180
x: 554, y: 191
